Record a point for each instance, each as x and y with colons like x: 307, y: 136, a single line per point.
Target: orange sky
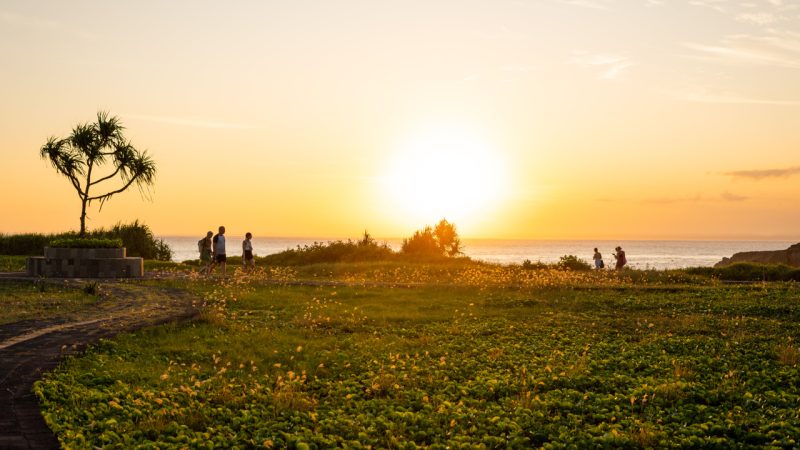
x: 514, y: 119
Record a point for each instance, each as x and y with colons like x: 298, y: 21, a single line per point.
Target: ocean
x: 651, y: 254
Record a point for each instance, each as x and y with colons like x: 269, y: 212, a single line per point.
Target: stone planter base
x: 85, y: 263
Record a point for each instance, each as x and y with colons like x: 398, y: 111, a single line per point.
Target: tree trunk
x: 83, y: 219
x: 85, y: 198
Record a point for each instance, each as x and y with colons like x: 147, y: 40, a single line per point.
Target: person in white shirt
x: 598, y: 260
x: 247, y: 252
x: 219, y: 250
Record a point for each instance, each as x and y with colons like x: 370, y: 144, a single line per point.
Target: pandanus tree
x: 99, y: 162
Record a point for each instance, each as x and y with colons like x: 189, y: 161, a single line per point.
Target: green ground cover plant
x: 86, y: 243
x: 24, y: 301
x: 518, y: 362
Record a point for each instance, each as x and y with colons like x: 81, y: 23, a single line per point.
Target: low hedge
x: 86, y: 243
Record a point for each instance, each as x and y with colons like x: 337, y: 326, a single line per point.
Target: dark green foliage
x: 136, y: 237
x: 441, y: 240
x: 365, y: 249
x: 86, y: 243
x: 749, y: 272
x: 566, y: 262
x: 91, y: 288
x: 30, y: 244
x: 139, y: 241
x: 538, y: 265
x: 572, y: 262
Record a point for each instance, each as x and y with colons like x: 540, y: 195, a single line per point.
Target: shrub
x: 30, y: 244
x: 86, y: 243
x: 136, y: 237
x: 749, y: 272
x: 442, y: 240
x: 538, y: 265
x: 572, y: 262
x: 138, y: 240
x: 366, y: 249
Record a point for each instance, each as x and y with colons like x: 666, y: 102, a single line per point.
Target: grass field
x: 485, y: 360
x: 25, y: 301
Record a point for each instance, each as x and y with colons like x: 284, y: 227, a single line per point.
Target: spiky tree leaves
x: 98, y: 153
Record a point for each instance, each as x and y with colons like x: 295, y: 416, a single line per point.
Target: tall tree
x: 96, y: 153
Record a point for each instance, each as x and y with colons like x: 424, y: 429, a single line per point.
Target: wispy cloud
x: 758, y: 18
x: 671, y: 200
x: 758, y: 175
x: 705, y: 96
x: 777, y: 49
x: 716, y: 5
x: 609, y: 66
x: 188, y: 122
x: 697, y: 198
x: 42, y: 24
x: 514, y: 68
x: 586, y: 4
x: 729, y: 197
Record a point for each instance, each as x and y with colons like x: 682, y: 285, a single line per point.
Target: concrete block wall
x: 85, y: 263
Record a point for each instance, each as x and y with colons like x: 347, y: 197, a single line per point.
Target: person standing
x: 219, y: 250
x: 204, y: 245
x: 598, y: 260
x: 247, y: 252
x: 620, y: 257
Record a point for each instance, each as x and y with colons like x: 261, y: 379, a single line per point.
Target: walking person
x: 219, y: 251
x: 247, y: 252
x: 620, y: 257
x: 204, y: 246
x: 598, y: 260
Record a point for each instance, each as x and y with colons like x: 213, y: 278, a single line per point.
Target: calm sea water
x: 640, y: 254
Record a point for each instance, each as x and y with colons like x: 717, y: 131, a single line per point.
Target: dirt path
x: 32, y: 347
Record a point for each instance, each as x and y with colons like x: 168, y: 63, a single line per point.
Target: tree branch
x: 105, y: 178
x: 108, y: 195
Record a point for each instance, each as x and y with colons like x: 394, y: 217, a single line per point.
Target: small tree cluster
x: 441, y: 240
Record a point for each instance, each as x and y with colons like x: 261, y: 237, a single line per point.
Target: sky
x: 514, y: 119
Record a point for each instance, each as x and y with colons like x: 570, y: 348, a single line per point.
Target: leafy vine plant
x: 98, y: 153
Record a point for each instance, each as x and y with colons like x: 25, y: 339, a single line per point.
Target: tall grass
x: 136, y: 237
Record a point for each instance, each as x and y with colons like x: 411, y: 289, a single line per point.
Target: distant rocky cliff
x: 790, y: 257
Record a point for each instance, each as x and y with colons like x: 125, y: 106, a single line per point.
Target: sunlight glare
x: 447, y: 174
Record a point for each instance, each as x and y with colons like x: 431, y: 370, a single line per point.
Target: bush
x: 30, y: 244
x: 138, y: 240
x: 538, y: 265
x: 749, y: 272
x: 442, y: 240
x: 572, y: 262
x: 136, y: 237
x: 366, y: 249
x: 86, y: 243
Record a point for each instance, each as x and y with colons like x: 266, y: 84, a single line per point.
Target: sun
x: 451, y: 174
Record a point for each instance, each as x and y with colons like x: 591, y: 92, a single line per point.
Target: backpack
x: 602, y: 264
x: 200, y: 245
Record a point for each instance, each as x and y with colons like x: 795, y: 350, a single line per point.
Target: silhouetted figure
x: 204, y: 246
x: 247, y: 252
x: 219, y: 250
x: 598, y: 260
x: 620, y: 257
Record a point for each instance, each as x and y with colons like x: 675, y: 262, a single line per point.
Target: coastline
x: 642, y: 254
